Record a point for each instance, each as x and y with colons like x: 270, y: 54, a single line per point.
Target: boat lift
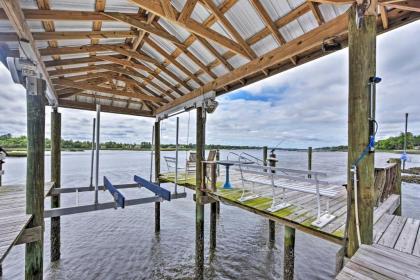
x: 160, y: 194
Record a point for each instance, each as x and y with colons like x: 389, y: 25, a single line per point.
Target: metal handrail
x: 246, y: 157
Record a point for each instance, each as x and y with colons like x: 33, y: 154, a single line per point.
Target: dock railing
x: 387, y: 181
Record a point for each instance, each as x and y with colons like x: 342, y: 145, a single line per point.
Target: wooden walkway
x: 13, y: 217
x: 301, y: 213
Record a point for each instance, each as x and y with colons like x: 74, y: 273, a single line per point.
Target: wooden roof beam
x: 104, y: 108
x: 270, y: 24
x: 316, y: 12
x: 146, y: 27
x: 92, y: 87
x: 292, y: 48
x: 187, y: 10
x: 154, y: 6
x: 384, y: 16
x: 75, y: 61
x: 74, y: 35
x: 334, y: 2
x: 410, y: 5
x: 124, y: 62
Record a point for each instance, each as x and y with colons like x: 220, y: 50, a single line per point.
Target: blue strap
x: 366, y: 151
x: 404, y: 156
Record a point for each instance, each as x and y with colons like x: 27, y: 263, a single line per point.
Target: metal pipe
x: 98, y: 124
x: 176, y: 154
x: 151, y: 153
x: 93, y: 154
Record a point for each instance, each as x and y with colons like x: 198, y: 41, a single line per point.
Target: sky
x: 305, y: 106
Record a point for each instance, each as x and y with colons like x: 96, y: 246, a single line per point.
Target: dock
x: 13, y: 217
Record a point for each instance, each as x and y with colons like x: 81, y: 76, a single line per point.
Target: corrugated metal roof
x: 220, y: 70
x: 163, y: 43
x: 76, y: 5
x: 152, y: 52
x: 201, y: 52
x: 188, y: 63
x: 180, y: 33
x: 177, y: 72
x: 200, y: 13
x: 265, y: 45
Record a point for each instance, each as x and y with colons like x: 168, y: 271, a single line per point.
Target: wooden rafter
x: 307, y: 41
x: 154, y: 6
x: 384, y: 16
x: 143, y: 26
x: 410, y: 5
x: 316, y: 12
x: 14, y: 13
x: 124, y: 62
x: 104, y: 108
x: 187, y: 10
x: 334, y: 2
x: 92, y: 87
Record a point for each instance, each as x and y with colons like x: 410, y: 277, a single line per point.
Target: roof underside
x: 139, y: 57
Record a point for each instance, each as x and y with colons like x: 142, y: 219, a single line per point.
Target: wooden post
x: 157, y: 173
x: 35, y: 173
x: 56, y: 178
x: 271, y: 224
x: 218, y: 174
x: 405, y: 137
x: 309, y: 160
x: 397, y: 187
x: 265, y: 156
x: 199, y: 208
x: 289, y: 253
x: 362, y: 66
x: 213, y: 208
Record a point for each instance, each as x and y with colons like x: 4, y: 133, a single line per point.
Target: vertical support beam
x: 265, y: 155
x: 157, y: 173
x: 176, y: 155
x: 35, y: 173
x: 271, y: 224
x: 56, y: 178
x: 397, y: 187
x: 199, y: 208
x: 289, y: 253
x: 213, y: 208
x: 362, y: 66
x: 98, y: 147
x: 217, y: 175
x: 92, y: 159
x: 405, y: 138
x: 309, y: 160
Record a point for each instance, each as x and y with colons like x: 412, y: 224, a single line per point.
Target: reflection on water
x: 121, y: 244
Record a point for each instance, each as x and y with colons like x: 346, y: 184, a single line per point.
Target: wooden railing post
x: 157, y: 173
x: 56, y: 178
x: 35, y: 173
x: 362, y: 66
x: 218, y: 174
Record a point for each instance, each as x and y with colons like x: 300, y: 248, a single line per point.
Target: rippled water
x: 121, y: 244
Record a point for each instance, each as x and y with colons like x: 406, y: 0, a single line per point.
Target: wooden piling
x: 309, y: 160
x: 35, y: 173
x: 213, y: 208
x: 56, y: 178
x: 271, y: 224
x: 199, y: 208
x: 157, y: 172
x: 218, y: 174
x: 289, y: 253
x: 398, y: 183
x: 362, y: 66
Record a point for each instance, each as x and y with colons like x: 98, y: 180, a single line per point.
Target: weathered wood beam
x: 112, y: 98
x: 30, y: 235
x: 48, y: 24
x: 334, y: 2
x: 154, y: 6
x: 66, y: 15
x: 75, y: 35
x: 55, y: 229
x: 17, y: 20
x: 270, y: 24
x: 384, y: 16
x: 104, y: 108
x: 88, y: 86
x: 187, y: 10
x: 216, y: 12
x: 75, y: 61
x: 316, y: 12
x: 130, y: 53
x: 410, y: 5
x: 143, y: 26
x: 305, y: 42
x: 124, y: 62
x: 77, y: 50
x: 61, y: 72
x: 168, y: 9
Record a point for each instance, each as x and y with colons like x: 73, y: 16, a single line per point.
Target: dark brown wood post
x: 35, y: 173
x: 397, y: 187
x: 213, y: 208
x: 199, y: 208
x: 289, y: 253
x: 309, y: 160
x: 362, y: 66
x: 218, y: 174
x: 157, y: 173
x: 56, y: 178
x: 271, y: 224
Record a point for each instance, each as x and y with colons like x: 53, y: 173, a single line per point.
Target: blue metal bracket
x: 159, y: 191
x: 116, y: 194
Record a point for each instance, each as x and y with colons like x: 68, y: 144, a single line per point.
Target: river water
x: 121, y: 244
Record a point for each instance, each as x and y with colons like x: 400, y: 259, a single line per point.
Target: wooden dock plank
x: 381, y: 226
x: 390, y: 236
x: 416, y: 249
x: 408, y: 236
